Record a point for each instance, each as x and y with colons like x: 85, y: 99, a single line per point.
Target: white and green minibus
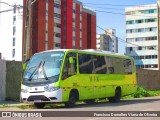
x: 69, y: 75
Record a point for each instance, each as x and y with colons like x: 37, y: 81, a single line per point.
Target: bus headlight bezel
x: 51, y: 88
x: 24, y: 90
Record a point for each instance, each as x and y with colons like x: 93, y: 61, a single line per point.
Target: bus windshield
x: 43, y: 68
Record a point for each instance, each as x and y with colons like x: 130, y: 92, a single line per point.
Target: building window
x: 151, y: 29
x: 57, y: 15
x: 137, y: 12
x: 151, y: 20
x: 151, y: 38
x: 13, y: 53
x: 140, y: 39
x: 14, y: 9
x: 130, y: 22
x: 154, y: 56
x: 139, y: 30
x: 139, y: 21
x: 129, y: 31
x: 57, y: 45
x: 139, y: 48
x: 74, y: 38
x: 151, y: 47
x: 64, y: 37
x: 64, y: 29
x: 14, y: 20
x: 14, y: 42
x: 57, y: 5
x: 46, y: 12
x: 74, y: 11
x: 57, y: 25
x: 150, y: 11
x: 147, y: 66
x: 64, y: 18
x: 74, y: 29
x: 73, y: 20
x: 14, y: 30
x: 57, y: 35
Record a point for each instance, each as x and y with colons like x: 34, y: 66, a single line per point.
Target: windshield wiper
x: 44, y: 72
x: 36, y: 70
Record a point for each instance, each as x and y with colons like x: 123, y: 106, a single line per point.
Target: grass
x: 17, y: 106
x: 4, y: 106
x: 26, y: 107
x: 142, y: 92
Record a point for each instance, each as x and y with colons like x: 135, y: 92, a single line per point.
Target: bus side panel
x: 130, y: 86
x: 85, y: 86
x: 81, y: 83
x: 66, y: 86
x: 98, y: 86
x: 104, y: 85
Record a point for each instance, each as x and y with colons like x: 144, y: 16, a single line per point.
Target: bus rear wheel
x: 72, y: 100
x: 39, y: 105
x: 117, y: 96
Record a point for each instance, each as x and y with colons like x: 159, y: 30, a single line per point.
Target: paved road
x: 142, y: 104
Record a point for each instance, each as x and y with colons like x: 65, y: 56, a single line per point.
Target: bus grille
x: 38, y: 97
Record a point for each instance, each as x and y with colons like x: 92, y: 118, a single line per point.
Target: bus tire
x: 72, y: 99
x: 89, y: 101
x: 39, y: 105
x: 117, y: 96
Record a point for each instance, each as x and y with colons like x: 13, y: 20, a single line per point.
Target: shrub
x: 142, y: 92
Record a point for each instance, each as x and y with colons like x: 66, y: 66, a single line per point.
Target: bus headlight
x: 50, y: 88
x: 24, y: 91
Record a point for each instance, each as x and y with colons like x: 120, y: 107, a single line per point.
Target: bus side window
x: 69, y: 67
x: 110, y: 65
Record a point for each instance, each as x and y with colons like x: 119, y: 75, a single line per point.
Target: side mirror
x: 71, y: 61
x: 24, y: 66
x: 71, y: 70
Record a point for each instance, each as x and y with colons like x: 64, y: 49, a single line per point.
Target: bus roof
x: 92, y: 51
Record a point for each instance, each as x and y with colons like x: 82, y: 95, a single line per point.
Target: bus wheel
x: 89, y: 101
x: 39, y: 105
x: 72, y: 100
x: 117, y: 96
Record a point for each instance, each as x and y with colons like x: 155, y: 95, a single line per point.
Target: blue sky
x: 110, y: 20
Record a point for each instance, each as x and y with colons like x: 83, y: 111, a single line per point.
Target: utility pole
x: 27, y: 34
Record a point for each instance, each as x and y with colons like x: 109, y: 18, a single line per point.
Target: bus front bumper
x: 42, y: 96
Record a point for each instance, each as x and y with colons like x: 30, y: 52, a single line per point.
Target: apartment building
x: 142, y: 35
x: 107, y: 41
x: 11, y: 29
x: 65, y: 24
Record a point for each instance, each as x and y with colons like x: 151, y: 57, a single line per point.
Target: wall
x: 2, y: 79
x: 149, y: 79
x: 13, y: 80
